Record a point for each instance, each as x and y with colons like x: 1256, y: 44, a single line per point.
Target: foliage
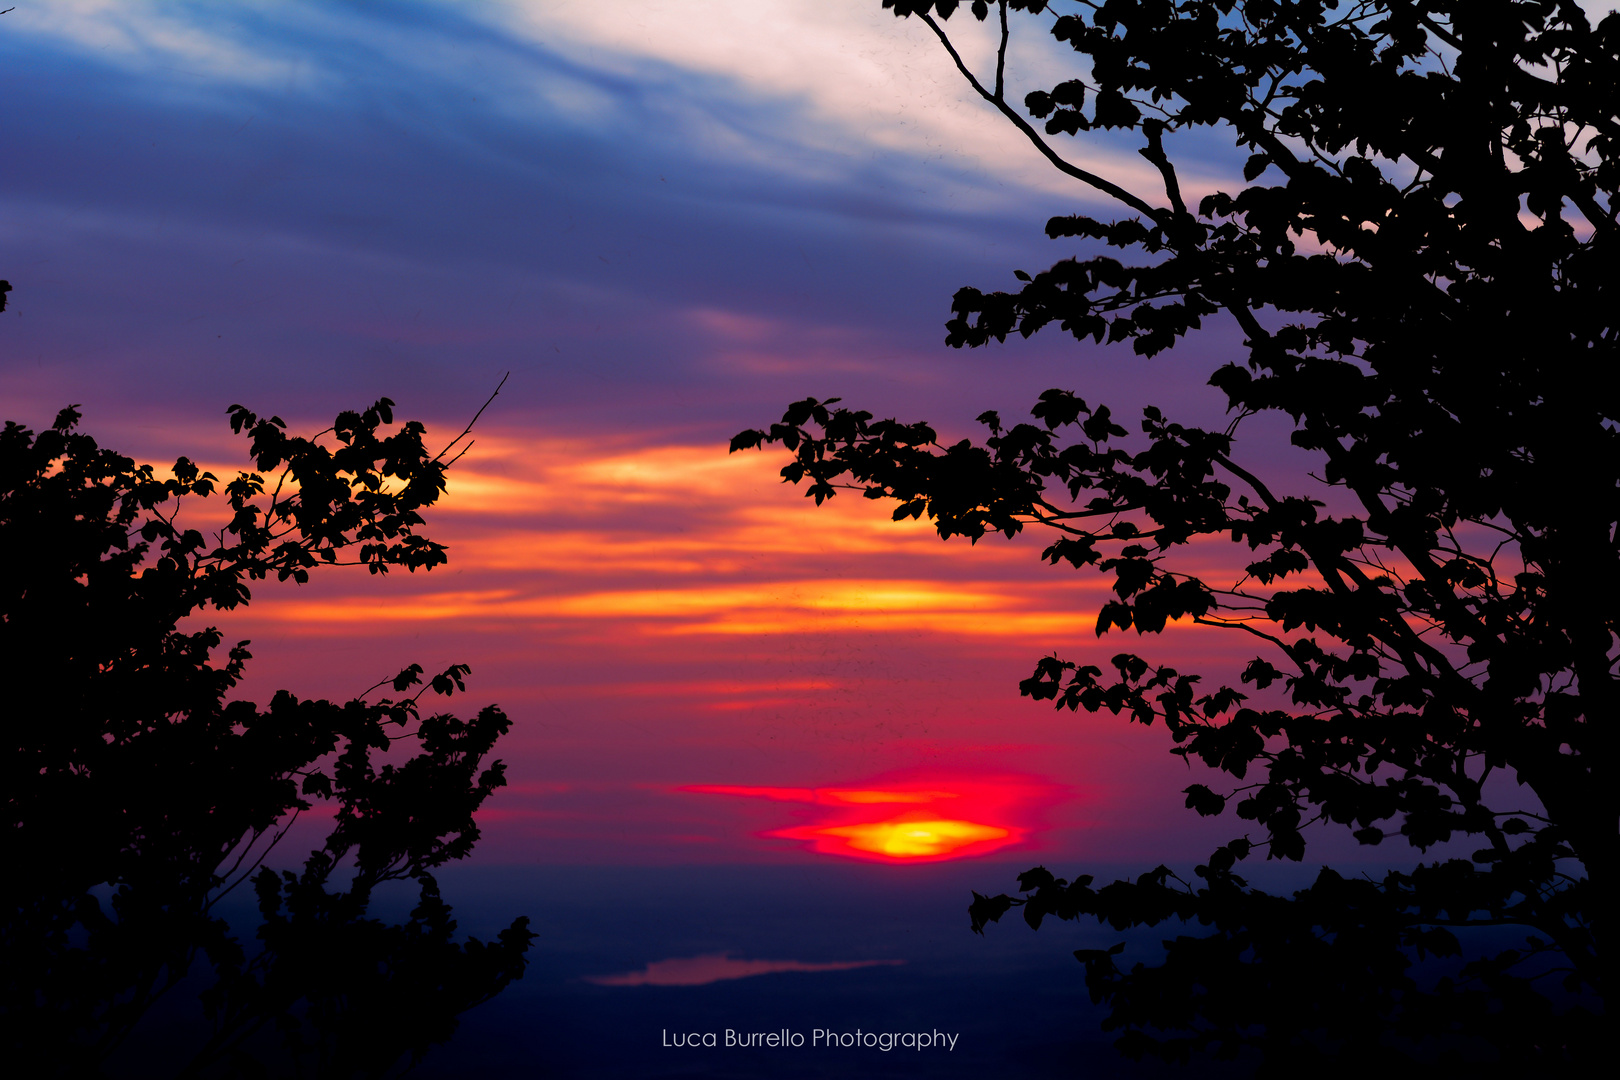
x: 138, y: 797
x: 1422, y: 261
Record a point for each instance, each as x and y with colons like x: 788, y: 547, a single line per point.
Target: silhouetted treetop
x: 138, y: 794
x: 1421, y: 257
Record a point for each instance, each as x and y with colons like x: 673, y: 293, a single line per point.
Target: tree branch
x: 471, y: 422
x: 1108, y: 187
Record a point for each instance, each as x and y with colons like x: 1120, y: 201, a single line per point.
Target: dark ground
x: 1016, y: 999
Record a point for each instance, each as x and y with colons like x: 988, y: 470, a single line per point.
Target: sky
x: 761, y: 750
x: 666, y: 221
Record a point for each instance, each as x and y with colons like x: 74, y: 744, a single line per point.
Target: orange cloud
x: 617, y: 542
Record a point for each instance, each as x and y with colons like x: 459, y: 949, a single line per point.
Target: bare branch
x: 474, y: 420
x: 1108, y: 187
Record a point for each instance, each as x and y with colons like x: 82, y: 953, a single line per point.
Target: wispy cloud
x: 820, y: 91
x: 718, y: 967
x: 684, y: 540
x: 185, y: 40
x: 850, y: 77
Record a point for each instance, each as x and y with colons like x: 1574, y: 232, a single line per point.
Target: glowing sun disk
x: 914, y: 839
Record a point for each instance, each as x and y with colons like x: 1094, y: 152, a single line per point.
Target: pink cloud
x: 717, y: 967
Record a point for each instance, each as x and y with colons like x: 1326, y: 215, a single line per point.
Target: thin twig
x: 474, y: 420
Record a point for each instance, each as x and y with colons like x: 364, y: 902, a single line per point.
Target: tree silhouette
x: 1418, y: 261
x: 138, y: 797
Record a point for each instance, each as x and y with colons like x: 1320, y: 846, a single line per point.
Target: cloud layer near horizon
x: 719, y: 967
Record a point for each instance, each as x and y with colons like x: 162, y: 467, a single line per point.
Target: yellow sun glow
x: 913, y: 839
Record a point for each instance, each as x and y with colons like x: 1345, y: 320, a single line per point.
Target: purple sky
x: 667, y: 221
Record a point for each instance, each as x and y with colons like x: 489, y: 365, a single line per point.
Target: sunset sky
x: 666, y: 221
x: 761, y: 750
x: 756, y: 742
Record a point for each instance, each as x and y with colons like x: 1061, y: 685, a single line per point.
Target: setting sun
x: 908, y: 839
x: 950, y: 817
